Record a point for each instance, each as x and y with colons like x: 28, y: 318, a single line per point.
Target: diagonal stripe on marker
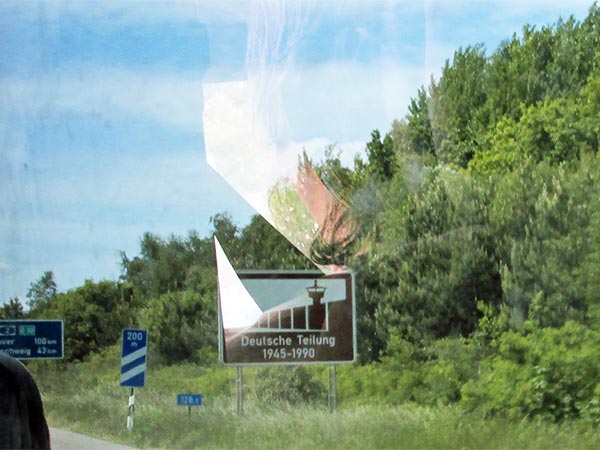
x: 132, y: 373
x: 133, y: 356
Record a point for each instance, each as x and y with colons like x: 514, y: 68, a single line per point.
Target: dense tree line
x: 169, y: 288
x: 493, y: 191
x: 477, y: 256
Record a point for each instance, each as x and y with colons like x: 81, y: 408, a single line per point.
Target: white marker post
x: 130, y: 411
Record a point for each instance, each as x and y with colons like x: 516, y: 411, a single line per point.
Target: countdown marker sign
x: 133, y: 357
x: 285, y: 317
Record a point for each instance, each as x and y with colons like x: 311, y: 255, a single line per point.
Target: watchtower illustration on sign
x: 298, y: 315
x: 318, y: 311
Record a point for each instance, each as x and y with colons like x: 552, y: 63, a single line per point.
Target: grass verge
x: 86, y: 398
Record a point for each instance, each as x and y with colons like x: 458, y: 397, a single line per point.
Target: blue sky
x: 103, y: 108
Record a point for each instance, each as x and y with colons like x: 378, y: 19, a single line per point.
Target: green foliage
x: 382, y: 159
x: 41, y: 292
x: 491, y: 326
x: 430, y: 375
x: 288, y: 384
x: 556, y: 130
x: 455, y: 104
x: 529, y: 98
x: 167, y: 265
x: 549, y: 242
x: 260, y: 246
x: 341, y: 180
x: 94, y: 315
x: 182, y: 326
x: 414, y: 134
x: 436, y: 259
x: 550, y: 373
x: 13, y: 309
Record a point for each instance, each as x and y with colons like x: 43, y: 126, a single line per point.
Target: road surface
x: 65, y: 440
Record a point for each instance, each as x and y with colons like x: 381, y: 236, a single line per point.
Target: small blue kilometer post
x: 189, y: 400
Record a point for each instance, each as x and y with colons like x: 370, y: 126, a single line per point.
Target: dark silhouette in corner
x: 22, y: 420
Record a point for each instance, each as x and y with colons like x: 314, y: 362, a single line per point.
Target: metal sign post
x: 332, y: 397
x: 239, y: 384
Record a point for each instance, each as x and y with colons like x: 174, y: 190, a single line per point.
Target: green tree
x: 555, y: 130
x: 13, y: 309
x: 94, y: 315
x: 545, y: 278
x: 41, y: 292
x: 262, y: 247
x: 340, y: 180
x: 456, y: 105
x: 166, y: 265
x: 413, y: 134
x: 382, y: 158
x: 550, y: 374
x: 182, y: 326
x: 436, y: 259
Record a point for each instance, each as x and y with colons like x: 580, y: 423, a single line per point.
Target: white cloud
x: 170, y: 99
x: 169, y: 177
x: 346, y: 100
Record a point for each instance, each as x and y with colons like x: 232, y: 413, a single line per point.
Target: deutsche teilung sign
x: 287, y: 318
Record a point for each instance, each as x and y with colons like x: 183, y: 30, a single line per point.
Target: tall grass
x: 86, y: 398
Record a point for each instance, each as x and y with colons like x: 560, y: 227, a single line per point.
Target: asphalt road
x: 65, y: 440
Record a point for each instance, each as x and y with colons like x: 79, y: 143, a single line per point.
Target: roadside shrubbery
x: 288, y: 384
x: 548, y: 373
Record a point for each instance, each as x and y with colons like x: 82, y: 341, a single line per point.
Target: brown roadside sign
x: 287, y: 317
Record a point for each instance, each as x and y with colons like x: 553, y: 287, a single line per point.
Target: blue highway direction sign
x: 189, y: 399
x: 32, y: 339
x: 133, y: 357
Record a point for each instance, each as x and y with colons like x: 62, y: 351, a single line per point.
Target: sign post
x: 32, y: 339
x: 239, y: 389
x: 133, y: 365
x: 332, y: 397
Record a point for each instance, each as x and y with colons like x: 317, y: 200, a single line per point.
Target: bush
x: 431, y: 376
x: 292, y: 384
x: 550, y: 373
x: 182, y: 327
